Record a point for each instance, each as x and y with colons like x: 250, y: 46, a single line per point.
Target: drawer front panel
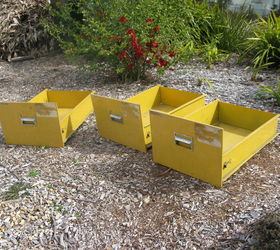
x: 188, y: 147
x: 119, y: 121
x: 31, y: 124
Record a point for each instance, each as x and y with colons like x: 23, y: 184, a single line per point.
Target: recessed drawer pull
x: 185, y: 141
x: 116, y: 118
x: 28, y: 121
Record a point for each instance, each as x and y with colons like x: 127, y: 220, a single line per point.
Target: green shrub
x: 174, y: 28
x: 264, y: 46
x: 230, y: 29
x: 222, y: 32
x: 211, y: 54
x: 127, y: 36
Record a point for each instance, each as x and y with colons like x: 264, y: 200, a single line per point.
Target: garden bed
x: 97, y: 193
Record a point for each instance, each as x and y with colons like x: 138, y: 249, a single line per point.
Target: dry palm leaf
x: 21, y: 33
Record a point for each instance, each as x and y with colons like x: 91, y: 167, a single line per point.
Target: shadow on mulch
x: 264, y: 234
x: 267, y: 232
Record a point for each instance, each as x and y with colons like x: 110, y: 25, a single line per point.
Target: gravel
x: 96, y: 194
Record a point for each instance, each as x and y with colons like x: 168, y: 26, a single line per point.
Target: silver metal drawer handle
x: 116, y: 118
x: 184, y: 142
x: 28, y: 121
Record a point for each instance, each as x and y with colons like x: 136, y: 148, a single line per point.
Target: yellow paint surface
x: 232, y: 135
x: 222, y: 137
x: 64, y: 112
x: 134, y: 130
x: 48, y: 119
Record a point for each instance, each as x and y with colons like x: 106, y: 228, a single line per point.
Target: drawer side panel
x: 190, y: 107
x: 242, y: 152
x: 76, y: 117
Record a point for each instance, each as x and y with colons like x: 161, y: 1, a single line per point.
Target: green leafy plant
x: 57, y: 207
x: 77, y: 161
x: 34, y: 173
x: 224, y: 32
x: 274, y: 93
x: 128, y: 37
x: 78, y: 215
x: 230, y: 28
x: 255, y: 72
x: 200, y: 81
x: 15, y: 190
x: 264, y: 46
x: 211, y: 54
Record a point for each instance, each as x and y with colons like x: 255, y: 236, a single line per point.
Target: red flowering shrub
x: 129, y: 43
x: 139, y: 51
x: 143, y: 51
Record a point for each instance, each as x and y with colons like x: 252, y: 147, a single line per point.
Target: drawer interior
x: 64, y: 112
x: 161, y: 99
x: 65, y: 100
x: 237, y: 122
x: 232, y: 135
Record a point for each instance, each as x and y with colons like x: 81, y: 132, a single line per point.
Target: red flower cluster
x: 162, y: 62
x: 130, y: 66
x: 155, y: 44
x: 152, y: 44
x: 123, y: 19
x: 149, y: 20
x: 123, y: 55
x: 156, y: 29
x: 137, y: 54
x: 172, y: 54
x: 130, y: 31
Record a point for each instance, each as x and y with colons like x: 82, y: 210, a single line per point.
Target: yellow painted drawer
x: 213, y: 142
x: 48, y: 119
x: 128, y: 122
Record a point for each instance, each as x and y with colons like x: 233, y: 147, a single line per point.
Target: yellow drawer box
x: 48, y: 119
x: 213, y: 142
x: 128, y: 122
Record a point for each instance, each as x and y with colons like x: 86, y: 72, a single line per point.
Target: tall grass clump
x: 230, y: 28
x: 264, y: 46
x: 222, y: 33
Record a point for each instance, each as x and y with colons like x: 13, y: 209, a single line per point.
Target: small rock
x: 169, y: 213
x: 147, y: 199
x: 186, y: 205
x: 102, y: 196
